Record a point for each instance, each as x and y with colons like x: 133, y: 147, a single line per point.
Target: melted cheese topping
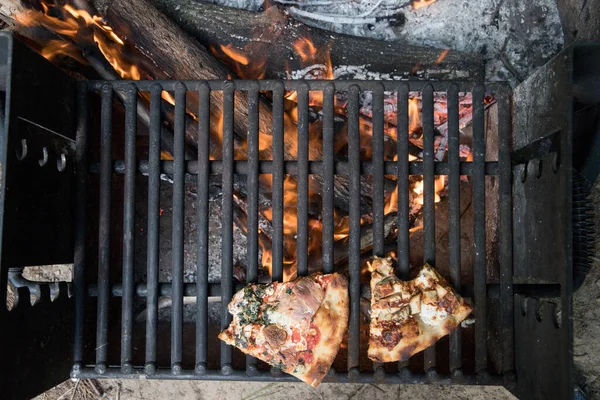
x: 430, y: 314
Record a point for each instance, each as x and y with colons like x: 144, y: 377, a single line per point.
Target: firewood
x: 179, y: 56
x: 272, y: 34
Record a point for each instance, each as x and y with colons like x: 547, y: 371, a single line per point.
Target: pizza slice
x: 296, y: 326
x: 407, y: 317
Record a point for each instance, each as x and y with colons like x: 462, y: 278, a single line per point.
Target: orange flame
x: 416, y: 4
x: 240, y: 62
x: 391, y: 204
x: 235, y: 54
x: 113, y: 56
x: 57, y: 47
x: 70, y: 26
x: 442, y: 55
x: 439, y: 183
x: 305, y: 49
x: 413, y: 114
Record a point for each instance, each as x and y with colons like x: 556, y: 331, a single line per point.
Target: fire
x: 59, y: 47
x: 113, y: 56
x: 305, y: 49
x: 413, y: 115
x: 168, y: 97
x: 416, y: 4
x: 439, y: 184
x: 442, y: 55
x: 290, y: 224
x: 68, y: 22
x: 317, y: 62
x: 309, y: 55
x: 241, y: 61
x: 78, y: 29
x: 391, y: 204
x: 235, y: 54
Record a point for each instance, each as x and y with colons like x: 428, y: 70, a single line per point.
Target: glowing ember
x: 413, y: 115
x: 235, y: 54
x: 240, y: 60
x: 442, y: 55
x: 416, y: 4
x: 309, y: 55
x: 305, y: 49
x: 439, y: 183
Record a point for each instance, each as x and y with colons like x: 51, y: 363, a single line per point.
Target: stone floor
x: 188, y: 390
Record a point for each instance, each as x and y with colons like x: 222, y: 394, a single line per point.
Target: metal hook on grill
x: 554, y: 162
x: 44, y: 159
x: 22, y: 153
x: 61, y: 162
x: 537, y: 168
x: 523, y: 173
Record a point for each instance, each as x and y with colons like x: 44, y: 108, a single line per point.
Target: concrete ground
x: 188, y: 390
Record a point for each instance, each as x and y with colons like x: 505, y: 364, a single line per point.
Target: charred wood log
x: 272, y: 34
x: 179, y: 56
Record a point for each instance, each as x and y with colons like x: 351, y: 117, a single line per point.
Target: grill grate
x: 106, y: 287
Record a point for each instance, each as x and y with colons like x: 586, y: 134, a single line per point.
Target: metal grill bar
x: 81, y: 160
x: 203, y: 216
x: 378, y: 189
x: 104, y: 229
x: 177, y: 241
x: 328, y: 178
x: 273, y: 85
x: 290, y: 167
x: 402, y: 174
x: 354, y: 235
x: 428, y: 195
x: 277, y: 268
x: 227, y: 210
x: 252, y: 187
x: 454, y: 212
x: 128, y: 227
x: 378, y: 171
x: 302, y: 229
x: 479, y: 227
x: 214, y: 289
x: 506, y: 240
x: 338, y: 377
x: 403, y: 199
x: 153, y: 227
x: 302, y: 167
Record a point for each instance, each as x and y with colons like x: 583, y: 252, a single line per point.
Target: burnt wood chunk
x: 272, y: 34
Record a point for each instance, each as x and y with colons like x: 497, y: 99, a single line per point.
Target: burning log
x: 366, y: 239
x: 177, y: 55
x: 273, y: 34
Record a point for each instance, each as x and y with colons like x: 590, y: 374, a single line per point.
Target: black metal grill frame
x: 301, y: 168
x: 533, y: 281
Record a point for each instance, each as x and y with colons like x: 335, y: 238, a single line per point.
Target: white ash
x: 360, y: 72
x: 515, y: 37
x: 190, y: 255
x: 251, y: 5
x: 524, y: 34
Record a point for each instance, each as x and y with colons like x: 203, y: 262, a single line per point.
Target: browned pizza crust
x: 332, y: 320
x: 270, y: 337
x: 408, y: 317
